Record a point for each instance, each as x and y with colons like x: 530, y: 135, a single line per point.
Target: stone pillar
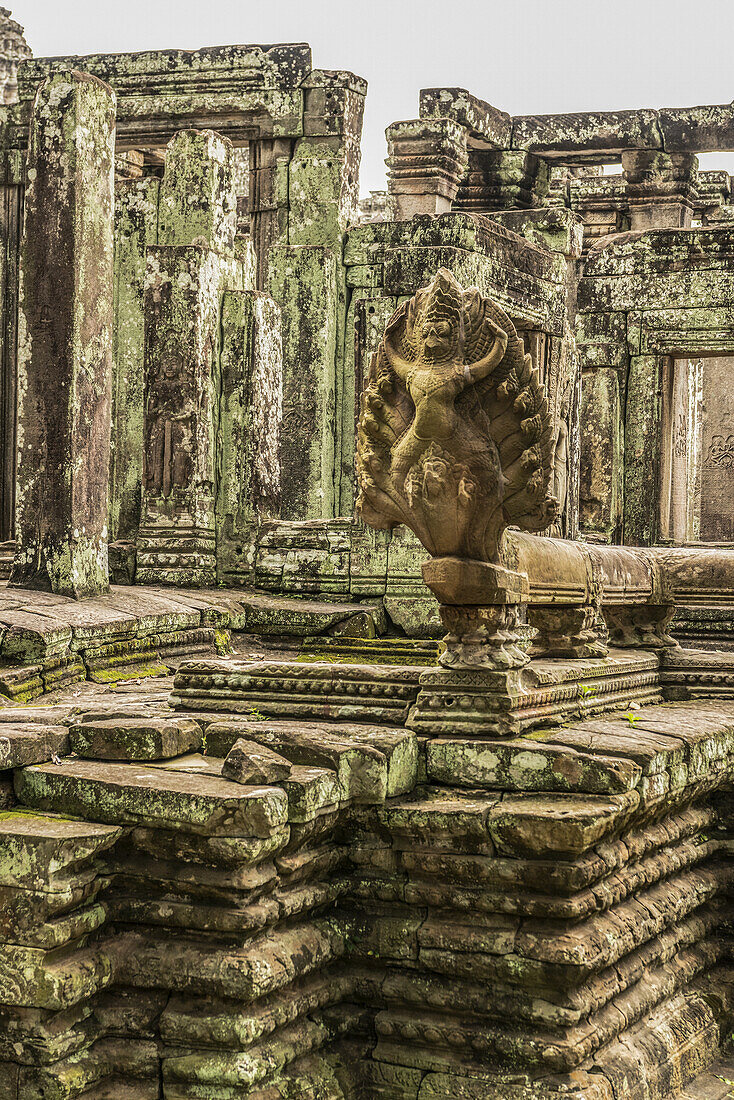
x: 11, y: 230
x: 602, y: 470
x: 426, y: 161
x: 187, y: 275
x: 642, y: 451
x: 307, y: 277
x: 136, y: 228
x: 198, y: 205
x: 250, y: 415
x: 661, y: 188
x: 304, y: 281
x: 268, y: 199
x: 65, y: 340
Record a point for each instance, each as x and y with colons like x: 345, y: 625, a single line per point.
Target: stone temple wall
x: 260, y: 847
x: 516, y: 205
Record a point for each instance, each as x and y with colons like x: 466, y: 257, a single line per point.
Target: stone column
x: 65, y: 341
x: 250, y: 413
x: 307, y: 277
x: 661, y: 188
x: 642, y: 451
x: 136, y: 228
x: 426, y: 162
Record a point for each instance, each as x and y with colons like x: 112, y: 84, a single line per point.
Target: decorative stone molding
x: 502, y: 180
x: 661, y: 188
x: 426, y: 161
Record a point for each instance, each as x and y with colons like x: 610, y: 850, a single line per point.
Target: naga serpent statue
x: 455, y: 436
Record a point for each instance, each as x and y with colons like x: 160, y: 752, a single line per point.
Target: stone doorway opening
x: 697, y: 498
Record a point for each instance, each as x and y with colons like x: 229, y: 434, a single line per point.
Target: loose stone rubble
x: 264, y: 833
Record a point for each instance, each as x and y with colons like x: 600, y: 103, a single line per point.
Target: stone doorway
x: 697, y: 491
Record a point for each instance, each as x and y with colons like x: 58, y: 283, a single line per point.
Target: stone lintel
x: 490, y: 128
x: 589, y: 136
x: 244, y: 92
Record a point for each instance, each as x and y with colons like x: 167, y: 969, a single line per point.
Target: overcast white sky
x: 524, y: 56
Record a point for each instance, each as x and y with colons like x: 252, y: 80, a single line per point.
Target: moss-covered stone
x: 65, y: 340
x: 135, y: 739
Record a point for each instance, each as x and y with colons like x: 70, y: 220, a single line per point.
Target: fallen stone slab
x: 31, y: 635
x: 266, y: 614
x: 29, y: 744
x: 361, y: 770
x: 372, y: 763
x: 135, y: 738
x: 248, y: 762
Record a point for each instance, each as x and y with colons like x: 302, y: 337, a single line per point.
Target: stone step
x: 374, y: 694
x: 135, y: 738
x: 50, y: 853
x: 126, y: 794
x: 365, y: 651
x: 715, y: 1083
x: 371, y: 763
x: 28, y: 743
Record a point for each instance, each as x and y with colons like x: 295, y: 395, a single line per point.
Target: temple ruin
x: 367, y: 604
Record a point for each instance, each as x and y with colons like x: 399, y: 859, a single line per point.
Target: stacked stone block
x: 254, y: 997
x: 396, y: 917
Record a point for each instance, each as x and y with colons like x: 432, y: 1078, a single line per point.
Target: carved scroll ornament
x: 455, y: 437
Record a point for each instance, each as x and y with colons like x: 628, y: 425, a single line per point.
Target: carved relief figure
x: 455, y: 437
x: 169, y: 428
x: 721, y: 452
x: 560, y: 470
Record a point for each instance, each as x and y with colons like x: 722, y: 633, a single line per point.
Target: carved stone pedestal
x: 568, y: 631
x: 468, y: 702
x: 480, y: 608
x: 640, y: 626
